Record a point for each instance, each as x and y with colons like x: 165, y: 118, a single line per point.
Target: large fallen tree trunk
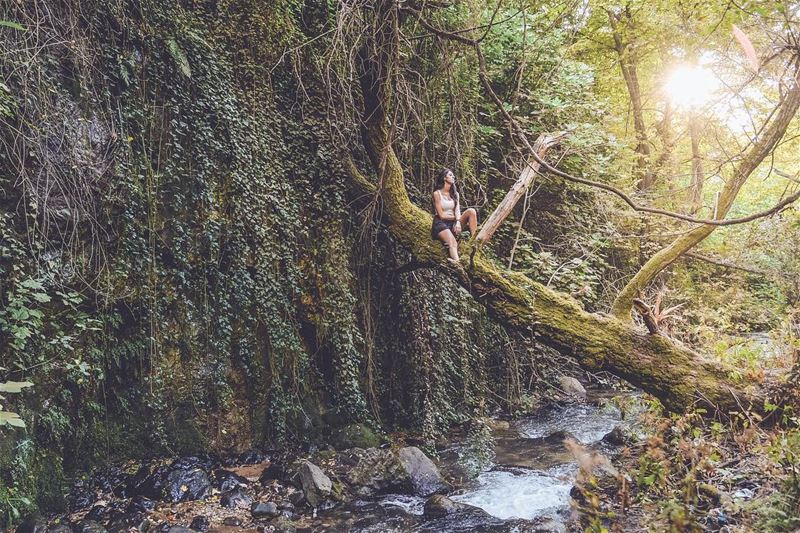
x: 676, y: 375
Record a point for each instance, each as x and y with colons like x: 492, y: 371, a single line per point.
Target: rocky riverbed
x: 520, y: 477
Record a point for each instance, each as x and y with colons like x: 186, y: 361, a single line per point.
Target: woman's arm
x: 458, y: 214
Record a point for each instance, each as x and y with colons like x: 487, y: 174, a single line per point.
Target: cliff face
x: 182, y: 269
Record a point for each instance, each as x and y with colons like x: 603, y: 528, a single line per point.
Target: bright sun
x: 690, y: 87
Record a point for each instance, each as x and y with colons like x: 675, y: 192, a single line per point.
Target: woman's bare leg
x: 470, y: 217
x: 449, y: 239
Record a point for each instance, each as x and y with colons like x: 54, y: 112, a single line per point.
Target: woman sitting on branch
x: 447, y: 219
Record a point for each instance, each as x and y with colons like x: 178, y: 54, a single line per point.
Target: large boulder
x: 373, y: 471
x: 186, y: 484
x: 425, y: 477
x: 316, y: 485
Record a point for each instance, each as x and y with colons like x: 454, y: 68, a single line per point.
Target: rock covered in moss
x: 373, y: 471
x: 355, y: 436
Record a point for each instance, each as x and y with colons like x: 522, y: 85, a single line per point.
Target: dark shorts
x: 441, y: 225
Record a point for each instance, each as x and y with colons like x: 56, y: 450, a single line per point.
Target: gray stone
x: 316, y: 485
x: 616, y: 436
x: 373, y: 471
x: 180, y: 529
x: 265, y: 510
x: 425, y: 477
x: 90, y: 526
x: 33, y: 524
x: 572, y: 386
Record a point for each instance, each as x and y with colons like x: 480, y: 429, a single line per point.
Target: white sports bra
x: 448, y: 205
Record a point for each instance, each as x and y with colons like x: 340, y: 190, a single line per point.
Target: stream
x: 524, y: 485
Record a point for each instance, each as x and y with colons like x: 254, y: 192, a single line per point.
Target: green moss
x: 355, y: 436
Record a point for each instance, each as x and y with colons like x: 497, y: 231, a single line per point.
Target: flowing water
x: 524, y: 486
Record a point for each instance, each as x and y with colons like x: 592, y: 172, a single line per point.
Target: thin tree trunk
x: 627, y: 63
x: 696, y: 189
x: 761, y: 149
x: 663, y: 165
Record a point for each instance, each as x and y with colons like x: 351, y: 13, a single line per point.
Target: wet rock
x: 186, y: 463
x: 125, y: 522
x: 98, y: 513
x: 187, y: 484
x: 316, y: 485
x: 200, y: 523
x: 286, y: 507
x: 142, y: 504
x: 355, y: 436
x: 235, y: 499
x: 274, y: 472
x: 264, y: 510
x: 572, y: 386
x: 81, y: 498
x: 425, y: 477
x: 440, y: 506
x: 297, y: 498
x: 90, y: 526
x: 225, y: 480
x: 149, y: 483
x: 59, y: 528
x: 179, y: 529
x: 33, y: 524
x: 251, y: 457
x: 615, y: 437
x: 232, y: 521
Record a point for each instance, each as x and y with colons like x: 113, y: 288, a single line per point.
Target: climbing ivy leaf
x: 14, y: 386
x: 180, y: 58
x: 12, y: 25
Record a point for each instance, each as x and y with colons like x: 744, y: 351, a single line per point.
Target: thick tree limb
x: 517, y: 191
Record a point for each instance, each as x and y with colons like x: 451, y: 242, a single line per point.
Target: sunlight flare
x: 691, y: 86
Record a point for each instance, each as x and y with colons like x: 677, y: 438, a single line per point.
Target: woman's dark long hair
x: 439, y: 183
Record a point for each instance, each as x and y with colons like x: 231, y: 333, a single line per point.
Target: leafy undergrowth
x: 695, y: 473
